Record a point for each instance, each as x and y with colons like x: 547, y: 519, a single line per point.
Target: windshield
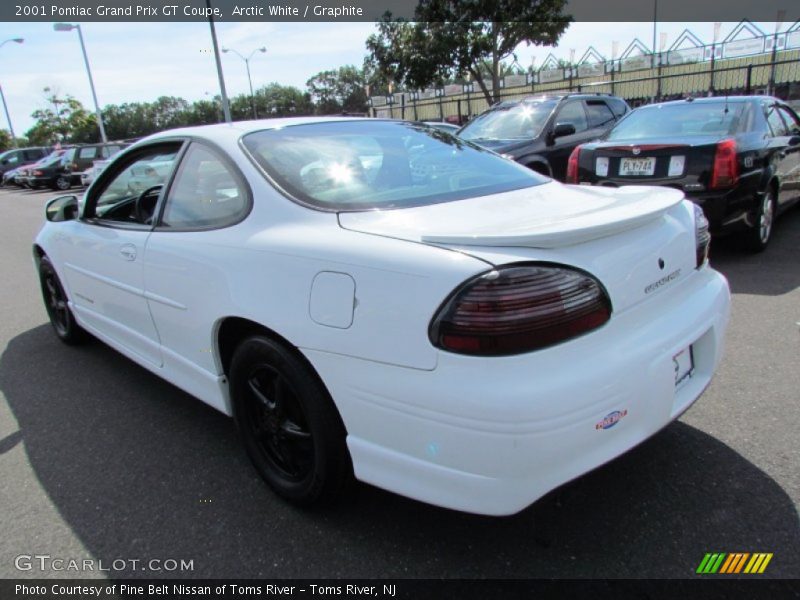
x: 519, y: 121
x: 365, y: 164
x: 684, y: 119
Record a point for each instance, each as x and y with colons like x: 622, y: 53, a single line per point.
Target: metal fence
x: 775, y: 74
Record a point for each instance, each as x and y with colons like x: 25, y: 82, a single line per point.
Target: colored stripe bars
x: 734, y: 562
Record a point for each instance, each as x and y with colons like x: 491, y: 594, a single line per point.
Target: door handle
x: 128, y: 251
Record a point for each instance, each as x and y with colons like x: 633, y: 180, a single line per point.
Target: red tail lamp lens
x: 572, y: 165
x: 726, y: 166
x: 519, y: 308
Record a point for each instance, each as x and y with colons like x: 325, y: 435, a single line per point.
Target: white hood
x: 551, y: 215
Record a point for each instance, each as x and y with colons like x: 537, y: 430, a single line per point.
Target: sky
x: 133, y: 62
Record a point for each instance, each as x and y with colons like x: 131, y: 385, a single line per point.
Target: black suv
x: 540, y: 132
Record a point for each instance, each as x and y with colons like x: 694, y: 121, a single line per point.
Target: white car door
x: 103, y: 256
x: 186, y: 275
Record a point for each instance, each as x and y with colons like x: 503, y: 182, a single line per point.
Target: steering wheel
x: 145, y: 204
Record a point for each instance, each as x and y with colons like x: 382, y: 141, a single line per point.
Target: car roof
x: 235, y: 130
x: 713, y: 100
x: 554, y: 98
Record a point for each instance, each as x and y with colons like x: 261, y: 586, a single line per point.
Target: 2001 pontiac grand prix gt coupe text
x: 381, y: 299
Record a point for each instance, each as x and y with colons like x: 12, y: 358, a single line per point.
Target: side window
x: 618, y: 107
x: 109, y: 151
x: 599, y: 114
x: 11, y: 159
x: 206, y: 193
x: 87, y: 152
x: 791, y: 120
x: 573, y: 112
x: 776, y: 124
x: 117, y: 198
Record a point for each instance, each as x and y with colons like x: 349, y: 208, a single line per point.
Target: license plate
x: 637, y: 167
x: 683, y: 363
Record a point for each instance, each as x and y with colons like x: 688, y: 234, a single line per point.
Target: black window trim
x: 115, y: 169
x: 241, y: 181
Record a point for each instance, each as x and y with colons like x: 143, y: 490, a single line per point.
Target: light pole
x: 3, y: 97
x: 70, y: 27
x: 247, y: 66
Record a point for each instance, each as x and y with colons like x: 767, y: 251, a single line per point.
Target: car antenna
x: 726, y: 103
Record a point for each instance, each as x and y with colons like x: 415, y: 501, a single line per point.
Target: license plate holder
x: 683, y: 363
x: 637, y: 167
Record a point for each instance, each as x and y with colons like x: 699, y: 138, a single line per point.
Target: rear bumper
x: 491, y: 436
x: 727, y: 211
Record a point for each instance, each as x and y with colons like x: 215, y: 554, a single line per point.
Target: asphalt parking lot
x: 100, y: 459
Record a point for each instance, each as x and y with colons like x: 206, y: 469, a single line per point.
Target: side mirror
x: 63, y: 208
x: 794, y: 140
x: 562, y: 129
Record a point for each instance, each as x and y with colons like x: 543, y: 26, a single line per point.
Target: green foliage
x: 340, y: 90
x: 453, y: 39
x: 66, y: 120
x: 5, y: 140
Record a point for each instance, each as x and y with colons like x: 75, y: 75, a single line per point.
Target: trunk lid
x: 684, y: 157
x: 629, y: 238
x: 547, y: 216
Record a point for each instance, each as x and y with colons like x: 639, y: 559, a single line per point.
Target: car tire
x: 288, y: 423
x: 756, y: 239
x: 62, y: 183
x: 57, y: 306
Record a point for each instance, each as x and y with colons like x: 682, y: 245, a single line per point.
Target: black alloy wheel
x: 289, y: 425
x: 57, y: 306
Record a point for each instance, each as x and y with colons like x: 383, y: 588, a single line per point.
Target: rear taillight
x: 572, y: 165
x: 702, y: 237
x: 38, y: 173
x: 726, y: 167
x: 519, y: 308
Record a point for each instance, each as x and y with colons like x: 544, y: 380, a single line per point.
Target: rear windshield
x: 684, y: 119
x: 367, y: 164
x: 518, y: 121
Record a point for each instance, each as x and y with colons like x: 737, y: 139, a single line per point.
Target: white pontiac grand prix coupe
x: 382, y: 300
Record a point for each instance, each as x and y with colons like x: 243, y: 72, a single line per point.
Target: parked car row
x: 60, y: 169
x: 736, y: 157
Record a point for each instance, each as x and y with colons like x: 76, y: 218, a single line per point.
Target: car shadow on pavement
x: 139, y: 470
x: 770, y: 273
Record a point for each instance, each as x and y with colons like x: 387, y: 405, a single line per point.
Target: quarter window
x: 776, y: 124
x: 206, y: 193
x: 791, y: 120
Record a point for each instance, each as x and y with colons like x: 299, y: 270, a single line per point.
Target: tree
x: 5, y: 140
x: 67, y: 121
x: 339, y: 90
x: 276, y: 100
x: 455, y: 38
